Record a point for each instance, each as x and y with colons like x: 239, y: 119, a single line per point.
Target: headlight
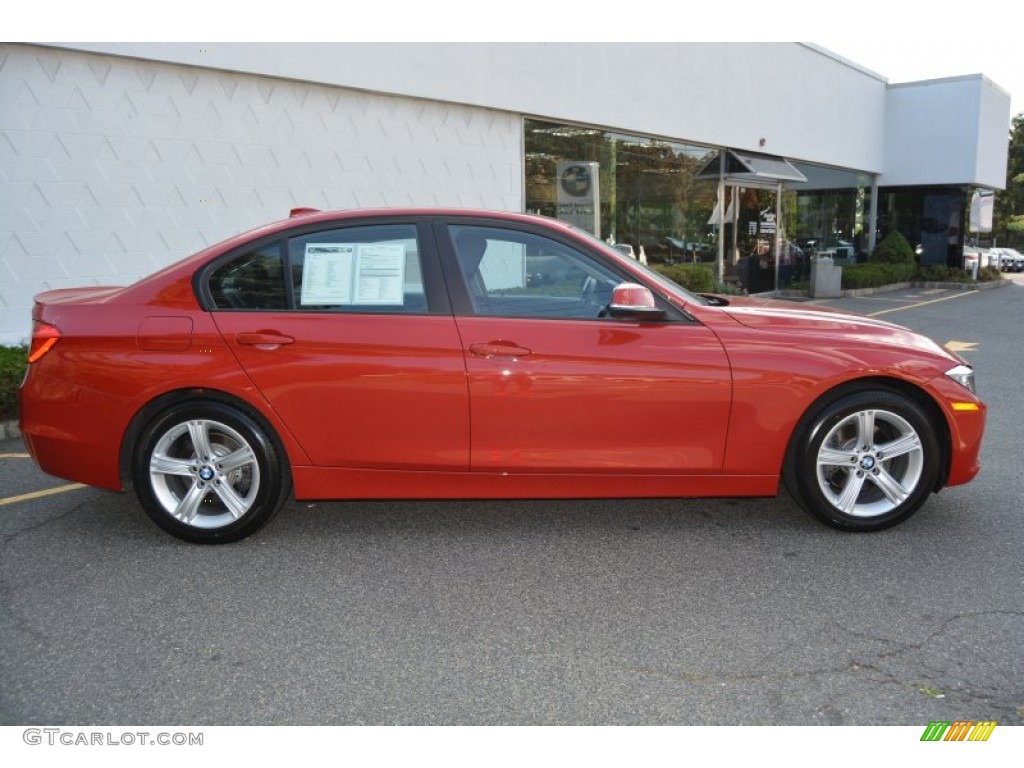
x: 962, y: 375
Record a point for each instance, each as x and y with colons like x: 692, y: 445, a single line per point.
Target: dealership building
x: 119, y: 158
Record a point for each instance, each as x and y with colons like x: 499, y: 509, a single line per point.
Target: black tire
x: 864, y: 462
x: 209, y: 473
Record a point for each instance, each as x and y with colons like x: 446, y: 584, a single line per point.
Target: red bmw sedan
x: 470, y: 354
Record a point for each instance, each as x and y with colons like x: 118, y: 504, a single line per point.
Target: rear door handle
x: 263, y: 339
x: 503, y: 350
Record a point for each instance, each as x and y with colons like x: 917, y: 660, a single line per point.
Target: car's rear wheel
x: 864, y: 462
x: 209, y: 473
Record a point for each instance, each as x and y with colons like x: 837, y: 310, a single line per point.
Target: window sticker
x: 380, y: 274
x: 327, y: 274
x: 353, y: 274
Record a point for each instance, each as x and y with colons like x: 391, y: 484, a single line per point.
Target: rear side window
x: 254, y: 280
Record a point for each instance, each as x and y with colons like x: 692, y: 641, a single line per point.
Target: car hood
x: 816, y: 320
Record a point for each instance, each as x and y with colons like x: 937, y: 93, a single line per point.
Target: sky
x: 921, y: 60
x: 897, y: 39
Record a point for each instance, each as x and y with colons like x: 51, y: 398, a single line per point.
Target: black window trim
x: 462, y: 304
x: 435, y: 287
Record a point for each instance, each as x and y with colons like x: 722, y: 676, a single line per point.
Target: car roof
x: 302, y: 217
x: 313, y: 214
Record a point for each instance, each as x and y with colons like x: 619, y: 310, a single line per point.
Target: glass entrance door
x: 754, y: 258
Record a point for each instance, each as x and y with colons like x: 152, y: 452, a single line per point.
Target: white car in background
x: 1010, y: 260
x: 988, y: 257
x: 628, y: 249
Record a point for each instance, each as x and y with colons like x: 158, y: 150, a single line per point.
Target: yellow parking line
x: 920, y: 304
x: 40, y: 494
x: 14, y: 456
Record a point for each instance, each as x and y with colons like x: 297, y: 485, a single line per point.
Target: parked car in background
x: 999, y: 260
x: 1010, y: 260
x: 628, y: 250
x: 681, y: 250
x: 840, y: 251
x: 1018, y: 259
x: 467, y: 354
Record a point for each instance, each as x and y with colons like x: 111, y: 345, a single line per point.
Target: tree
x: 1008, y: 216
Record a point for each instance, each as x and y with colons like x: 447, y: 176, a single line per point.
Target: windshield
x: 669, y: 285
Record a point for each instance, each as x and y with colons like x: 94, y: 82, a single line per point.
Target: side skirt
x: 342, y: 483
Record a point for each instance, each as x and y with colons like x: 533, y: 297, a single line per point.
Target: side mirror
x: 636, y: 301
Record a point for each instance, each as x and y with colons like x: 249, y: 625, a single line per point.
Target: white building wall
x: 994, y: 135
x: 805, y: 102
x: 946, y: 131
x: 112, y: 167
x: 118, y: 158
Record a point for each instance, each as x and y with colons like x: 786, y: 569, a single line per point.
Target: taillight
x: 44, y: 336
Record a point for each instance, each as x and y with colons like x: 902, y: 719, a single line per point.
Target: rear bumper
x: 72, y: 432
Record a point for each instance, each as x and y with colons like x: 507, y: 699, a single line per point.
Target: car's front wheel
x: 209, y: 473
x: 865, y: 462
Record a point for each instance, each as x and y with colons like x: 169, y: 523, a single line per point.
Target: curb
x: 856, y: 292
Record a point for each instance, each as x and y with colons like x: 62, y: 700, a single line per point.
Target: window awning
x: 751, y: 167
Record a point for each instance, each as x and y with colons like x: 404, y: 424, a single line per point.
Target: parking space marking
x: 40, y: 494
x: 961, y: 346
x: 14, y: 456
x: 920, y: 304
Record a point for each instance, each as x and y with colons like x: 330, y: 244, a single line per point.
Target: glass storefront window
x: 647, y: 197
x: 931, y: 218
x: 642, y: 193
x: 829, y: 216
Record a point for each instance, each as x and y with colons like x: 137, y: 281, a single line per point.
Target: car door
x: 555, y: 384
x: 348, y: 333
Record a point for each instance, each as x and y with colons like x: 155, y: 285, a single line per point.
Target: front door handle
x: 502, y: 350
x: 263, y: 339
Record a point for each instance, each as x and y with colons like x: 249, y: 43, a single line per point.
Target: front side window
x: 519, y: 274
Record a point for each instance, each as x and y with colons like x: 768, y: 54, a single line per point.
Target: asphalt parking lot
x: 535, y: 612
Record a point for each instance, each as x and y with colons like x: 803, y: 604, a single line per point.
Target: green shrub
x: 985, y: 274
x: 873, y: 275
x: 940, y: 273
x: 894, y: 249
x: 693, y: 277
x: 727, y: 289
x: 13, y: 361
